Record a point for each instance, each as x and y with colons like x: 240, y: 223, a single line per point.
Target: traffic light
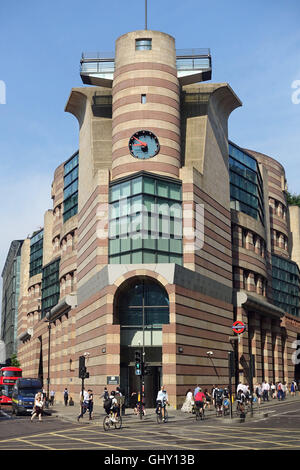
x: 138, y: 363
x: 83, y: 374
x: 231, y: 365
x: 146, y: 369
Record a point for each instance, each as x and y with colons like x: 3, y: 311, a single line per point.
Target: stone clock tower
x: 146, y: 97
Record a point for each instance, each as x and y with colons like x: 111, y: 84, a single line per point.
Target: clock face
x: 143, y: 145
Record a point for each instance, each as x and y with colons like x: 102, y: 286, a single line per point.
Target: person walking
x: 91, y: 404
x: 279, y: 391
x: 38, y: 407
x: 284, y: 390
x: 293, y: 389
x: 258, y: 393
x: 84, y: 401
x: 52, y: 396
x: 208, y: 398
x: 273, y: 390
x: 162, y: 401
x: 188, y: 404
x: 265, y: 390
x: 66, y: 396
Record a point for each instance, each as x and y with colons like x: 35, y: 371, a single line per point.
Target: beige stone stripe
x: 148, y: 124
x: 148, y: 90
x: 144, y: 75
x: 136, y: 108
x: 146, y: 165
x: 151, y: 99
x: 151, y: 81
x: 150, y: 115
x: 161, y: 157
x: 145, y: 66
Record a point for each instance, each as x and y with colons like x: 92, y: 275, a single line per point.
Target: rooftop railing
x: 186, y: 60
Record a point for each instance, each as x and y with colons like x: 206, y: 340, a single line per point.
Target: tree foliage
x: 293, y: 199
x: 14, y: 361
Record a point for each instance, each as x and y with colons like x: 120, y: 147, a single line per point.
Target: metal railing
x: 186, y: 59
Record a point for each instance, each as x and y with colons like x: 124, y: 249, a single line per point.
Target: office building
x: 162, y: 234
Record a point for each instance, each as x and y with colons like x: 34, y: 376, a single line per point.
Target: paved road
x: 280, y: 430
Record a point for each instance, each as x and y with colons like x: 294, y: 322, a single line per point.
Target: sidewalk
x: 70, y: 413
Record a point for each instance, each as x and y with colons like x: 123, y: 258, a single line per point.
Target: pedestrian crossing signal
x: 138, y: 363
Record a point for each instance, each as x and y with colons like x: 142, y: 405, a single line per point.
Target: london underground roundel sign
x: 238, y: 327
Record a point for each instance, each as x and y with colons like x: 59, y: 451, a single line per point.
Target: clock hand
x: 142, y: 143
x: 139, y: 145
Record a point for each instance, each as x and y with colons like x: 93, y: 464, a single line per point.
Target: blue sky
x: 255, y: 47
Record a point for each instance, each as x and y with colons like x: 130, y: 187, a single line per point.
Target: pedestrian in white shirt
x: 38, y: 407
x: 84, y: 400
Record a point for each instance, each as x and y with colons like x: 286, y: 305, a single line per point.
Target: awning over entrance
x: 251, y: 302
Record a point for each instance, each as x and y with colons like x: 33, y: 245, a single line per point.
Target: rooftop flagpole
x: 146, y: 14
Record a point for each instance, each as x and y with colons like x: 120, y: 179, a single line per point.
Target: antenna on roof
x: 146, y: 14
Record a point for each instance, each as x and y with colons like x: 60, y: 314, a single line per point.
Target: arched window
x: 142, y: 302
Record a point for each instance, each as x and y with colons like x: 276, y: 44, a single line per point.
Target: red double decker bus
x: 8, y: 377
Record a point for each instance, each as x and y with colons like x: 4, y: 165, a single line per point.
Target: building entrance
x: 130, y: 383
x: 141, y: 308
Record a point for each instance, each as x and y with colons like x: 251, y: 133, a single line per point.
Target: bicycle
x: 219, y: 408
x: 242, y: 407
x: 159, y: 416
x: 199, y: 412
x: 109, y: 423
x: 226, y: 406
x: 138, y: 409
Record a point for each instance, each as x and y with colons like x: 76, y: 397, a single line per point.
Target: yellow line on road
x: 87, y: 441
x: 33, y: 443
x: 147, y: 442
x: 159, y: 434
x: 251, y: 438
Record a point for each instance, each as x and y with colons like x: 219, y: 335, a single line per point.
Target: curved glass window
x: 71, y: 187
x: 145, y: 221
x: 246, y: 186
x: 143, y: 303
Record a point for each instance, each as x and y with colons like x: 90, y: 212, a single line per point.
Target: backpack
x: 107, y: 403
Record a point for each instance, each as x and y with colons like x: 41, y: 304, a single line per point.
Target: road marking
x: 33, y: 443
x: 256, y: 440
x: 87, y: 441
x: 147, y: 442
x: 205, y: 441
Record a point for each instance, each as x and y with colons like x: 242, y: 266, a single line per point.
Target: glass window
x: 143, y: 299
x: 149, y: 185
x: 137, y: 257
x: 137, y: 185
x: 71, y: 187
x: 246, y: 188
x: 50, y: 286
x: 143, y: 44
x: 162, y: 189
x: 36, y: 253
x: 145, y: 220
x: 285, y: 285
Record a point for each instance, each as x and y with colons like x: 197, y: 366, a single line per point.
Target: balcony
x: 193, y: 66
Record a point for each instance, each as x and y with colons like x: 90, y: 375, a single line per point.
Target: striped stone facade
x: 208, y: 291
